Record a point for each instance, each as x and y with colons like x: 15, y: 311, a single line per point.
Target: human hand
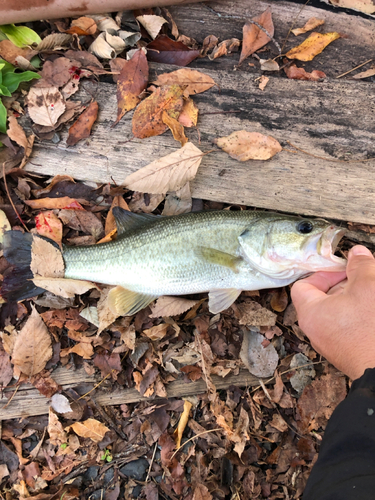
x: 338, y: 314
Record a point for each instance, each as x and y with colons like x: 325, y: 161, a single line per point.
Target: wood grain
x: 29, y: 402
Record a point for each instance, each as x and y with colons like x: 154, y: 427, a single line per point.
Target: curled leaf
x: 300, y: 74
x: 176, y: 128
x: 312, y: 46
x: 152, y: 24
x: 101, y: 48
x: 243, y: 145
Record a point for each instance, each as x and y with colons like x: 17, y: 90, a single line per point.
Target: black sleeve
x: 345, y: 469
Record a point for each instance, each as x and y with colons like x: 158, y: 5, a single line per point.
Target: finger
x: 314, y: 288
x: 335, y: 290
x: 361, y: 263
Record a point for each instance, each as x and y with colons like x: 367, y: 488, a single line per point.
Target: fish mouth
x: 327, y: 246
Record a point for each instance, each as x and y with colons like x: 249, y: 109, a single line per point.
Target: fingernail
x: 360, y: 250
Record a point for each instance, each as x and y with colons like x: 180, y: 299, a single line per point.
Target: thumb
x: 361, y: 264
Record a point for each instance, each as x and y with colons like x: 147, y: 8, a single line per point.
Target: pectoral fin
x: 221, y: 299
x: 123, y: 302
x: 220, y: 258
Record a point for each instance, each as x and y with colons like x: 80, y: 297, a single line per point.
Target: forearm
x: 345, y: 468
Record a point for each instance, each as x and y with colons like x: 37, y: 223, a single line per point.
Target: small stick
x: 359, y: 66
x: 10, y: 199
x: 152, y: 461
x: 326, y: 159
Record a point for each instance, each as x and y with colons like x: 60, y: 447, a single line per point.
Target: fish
x: 220, y: 252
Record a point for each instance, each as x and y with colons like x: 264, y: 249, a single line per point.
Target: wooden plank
x: 29, y: 402
x: 327, y: 119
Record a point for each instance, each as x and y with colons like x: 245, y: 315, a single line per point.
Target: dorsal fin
x: 125, y: 220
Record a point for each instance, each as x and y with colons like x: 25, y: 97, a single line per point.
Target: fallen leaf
x: 253, y: 314
x: 189, y: 114
x: 17, y: 134
x: 106, y: 316
x: 193, y: 80
x: 260, y: 361
x: 83, y: 26
x: 208, y: 44
x: 6, y: 369
x: 32, y: 348
x: 365, y: 74
x: 46, y: 259
x: 304, y: 375
x: 240, y: 435
x: 64, y: 202
x: 268, y: 65
x: 300, y: 74
x: 101, y: 48
x: 165, y: 50
x: 9, y: 52
x: 82, y: 220
x: 152, y: 24
x: 45, y: 384
x: 81, y: 128
x: 263, y: 82
x: 147, y: 118
x: 201, y: 492
x: 176, y: 128
x: 49, y: 225
x: 110, y: 223
x: 45, y: 105
x: 253, y: 37
x: 54, y: 41
x: 169, y: 173
x: 108, y: 364
x: 4, y: 472
x: 224, y: 48
x: 171, y: 306
x: 4, y: 225
x: 242, y: 145
x: 90, y: 428
x: 60, y: 403
x: 311, y: 24
x: 192, y: 372
x: 312, y: 46
x: 131, y: 82
x: 145, y: 203
x: 83, y: 349
x: 64, y: 287
x: 184, y: 418
x: 156, y: 332
x: 279, y: 300
x: 178, y: 202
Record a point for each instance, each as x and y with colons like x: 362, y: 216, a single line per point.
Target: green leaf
x: 6, y: 67
x: 12, y: 80
x: 20, y: 35
x: 4, y: 91
x: 3, y: 118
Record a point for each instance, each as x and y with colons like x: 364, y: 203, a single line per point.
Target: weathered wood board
x: 329, y: 119
x: 29, y: 402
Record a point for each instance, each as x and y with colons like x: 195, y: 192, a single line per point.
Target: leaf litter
x: 175, y: 336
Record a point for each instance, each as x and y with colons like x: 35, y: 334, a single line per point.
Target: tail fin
x: 17, y: 250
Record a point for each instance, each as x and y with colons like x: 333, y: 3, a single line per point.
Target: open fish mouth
x: 328, y: 243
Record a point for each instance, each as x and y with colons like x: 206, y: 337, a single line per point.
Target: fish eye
x: 305, y: 226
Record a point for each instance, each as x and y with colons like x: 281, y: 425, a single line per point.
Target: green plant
x: 106, y: 456
x: 19, y: 35
x: 9, y: 83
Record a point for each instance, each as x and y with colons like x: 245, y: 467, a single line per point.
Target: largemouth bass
x: 219, y: 252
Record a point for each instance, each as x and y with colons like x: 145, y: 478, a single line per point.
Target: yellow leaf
x: 243, y: 145
x: 176, y: 128
x: 90, y: 428
x: 312, y: 46
x: 182, y: 423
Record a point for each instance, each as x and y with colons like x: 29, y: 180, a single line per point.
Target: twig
x: 359, y: 66
x: 95, y: 386
x: 12, y: 396
x: 195, y: 436
x: 152, y: 461
x: 326, y: 159
x: 10, y: 199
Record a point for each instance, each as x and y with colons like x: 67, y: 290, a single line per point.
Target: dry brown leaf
x: 182, y: 423
x: 141, y: 203
x: 152, y: 24
x: 11, y: 52
x: 32, y: 348
x: 178, y: 202
x: 253, y: 314
x: 312, y: 46
x: 311, y: 24
x: 81, y: 128
x: 17, y: 134
x: 83, y: 349
x: 255, y: 38
x: 105, y: 314
x: 169, y: 173
x: 64, y: 287
x: 83, y: 26
x: 189, y: 114
x: 45, y: 105
x: 147, y: 119
x: 156, y: 332
x: 176, y: 128
x: 57, y: 435
x: 131, y: 82
x: 49, y: 225
x: 55, y: 41
x: 224, y: 48
x: 365, y: 74
x: 195, y: 81
x: 171, y: 306
x: 208, y: 44
x: 64, y: 202
x: 201, y: 492
x: 240, y: 435
x: 366, y: 6
x: 110, y: 223
x: 90, y: 428
x: 263, y: 82
x: 46, y: 259
x: 300, y: 74
x: 242, y: 145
